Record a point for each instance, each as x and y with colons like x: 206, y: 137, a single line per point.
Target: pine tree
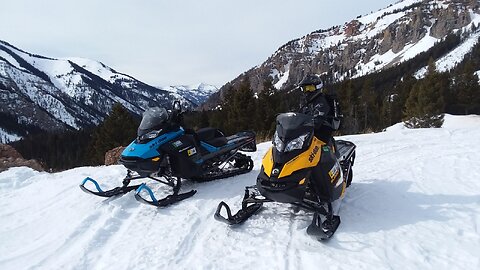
x: 118, y: 129
x: 225, y: 118
x: 349, y: 104
x: 266, y: 110
x: 203, y: 120
x: 370, y: 109
x: 425, y: 104
x: 244, y: 107
x: 239, y: 108
x: 467, y: 89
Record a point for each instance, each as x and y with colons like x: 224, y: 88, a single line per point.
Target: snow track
x: 414, y: 204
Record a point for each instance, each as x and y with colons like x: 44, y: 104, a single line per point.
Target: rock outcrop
x: 9, y: 157
x: 112, y: 156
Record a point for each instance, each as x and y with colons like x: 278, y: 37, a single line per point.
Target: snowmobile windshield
x: 292, y: 125
x: 152, y: 119
x: 293, y: 131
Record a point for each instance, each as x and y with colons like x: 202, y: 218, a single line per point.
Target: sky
x: 182, y: 42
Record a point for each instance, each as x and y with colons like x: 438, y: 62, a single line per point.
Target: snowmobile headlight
x: 296, y: 143
x: 150, y: 135
x: 277, y: 142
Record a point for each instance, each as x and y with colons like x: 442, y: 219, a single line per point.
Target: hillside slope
x: 414, y: 204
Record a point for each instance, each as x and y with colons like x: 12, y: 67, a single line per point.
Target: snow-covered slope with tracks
x: 414, y: 204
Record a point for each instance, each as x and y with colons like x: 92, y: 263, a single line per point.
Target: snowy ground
x: 414, y: 204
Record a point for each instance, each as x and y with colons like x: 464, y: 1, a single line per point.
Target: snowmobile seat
x: 212, y: 136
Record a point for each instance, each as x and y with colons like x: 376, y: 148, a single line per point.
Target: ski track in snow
x: 414, y: 204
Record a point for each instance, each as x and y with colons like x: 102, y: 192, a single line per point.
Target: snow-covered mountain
x: 195, y: 93
x: 371, y: 43
x: 76, y: 92
x: 414, y: 204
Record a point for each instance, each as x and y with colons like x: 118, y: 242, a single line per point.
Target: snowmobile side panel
x: 306, y: 159
x: 327, y: 177
x: 150, y: 149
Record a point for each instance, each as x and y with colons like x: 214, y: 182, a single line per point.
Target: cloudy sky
x: 171, y: 42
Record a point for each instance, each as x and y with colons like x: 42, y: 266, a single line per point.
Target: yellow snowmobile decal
x: 267, y: 162
x: 306, y: 159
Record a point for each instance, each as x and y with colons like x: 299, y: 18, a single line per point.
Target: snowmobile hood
x: 152, y: 118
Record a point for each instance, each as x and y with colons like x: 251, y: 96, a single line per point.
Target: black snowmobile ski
x: 125, y: 188
x: 251, y: 203
x: 175, y: 183
x: 325, y: 229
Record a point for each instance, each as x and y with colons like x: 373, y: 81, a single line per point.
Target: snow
x: 379, y: 61
x: 283, y: 77
x: 414, y: 204
x: 423, y: 45
x: 6, y: 137
x: 453, y: 58
x: 399, y: 5
x: 10, y: 59
x: 94, y: 67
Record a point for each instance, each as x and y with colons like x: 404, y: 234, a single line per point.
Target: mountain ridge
x: 64, y: 93
x: 364, y: 45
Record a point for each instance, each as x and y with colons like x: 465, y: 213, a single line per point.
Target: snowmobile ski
x: 170, y: 199
x: 107, y: 193
x: 242, y: 214
x: 175, y: 183
x: 323, y: 230
x: 250, y: 205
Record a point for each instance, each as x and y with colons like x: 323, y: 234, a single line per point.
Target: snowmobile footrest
x: 242, y: 215
x: 108, y: 193
x: 323, y: 230
x: 170, y: 199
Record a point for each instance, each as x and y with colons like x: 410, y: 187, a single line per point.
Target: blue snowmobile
x: 166, y: 152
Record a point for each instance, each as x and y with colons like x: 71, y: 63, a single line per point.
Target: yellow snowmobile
x: 302, y: 170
